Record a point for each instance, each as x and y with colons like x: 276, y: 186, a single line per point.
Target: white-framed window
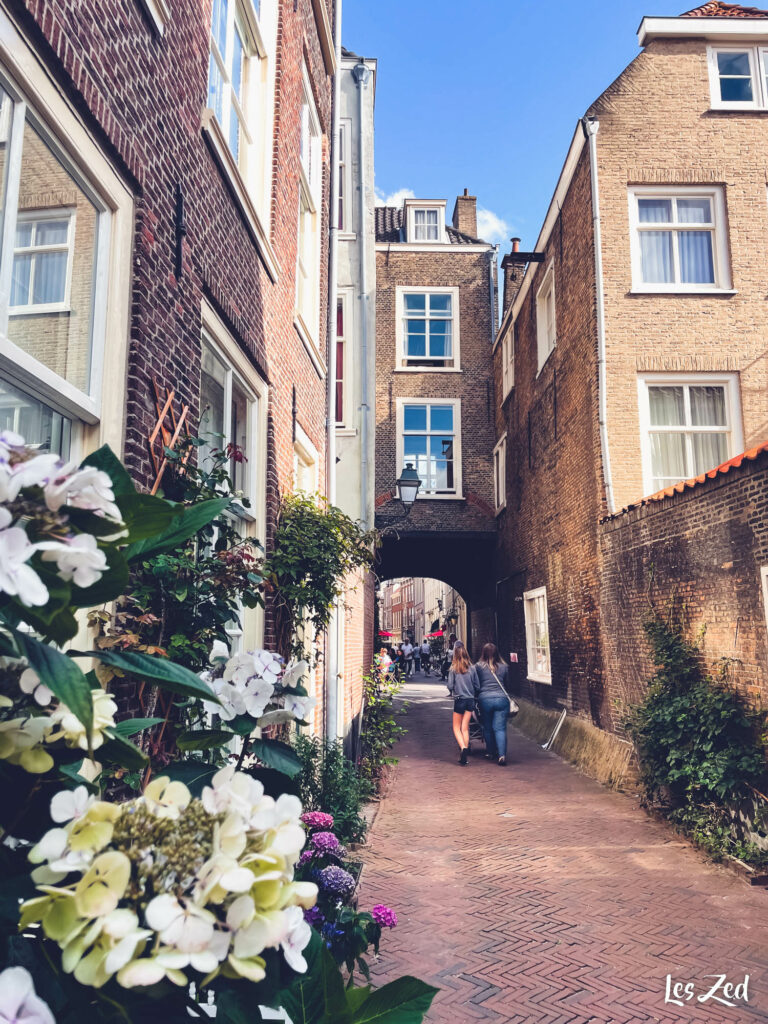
x: 738, y: 77
x: 546, y: 323
x: 232, y: 50
x: 42, y: 261
x: 500, y: 474
x: 43, y: 427
x: 428, y: 336
x: 429, y: 438
x: 678, y: 239
x: 311, y: 140
x: 508, y: 362
x: 537, y: 635
x: 308, y: 249
x: 345, y: 221
x: 342, y: 393
x: 425, y: 221
x: 690, y: 423
x: 425, y: 225
x: 305, y: 463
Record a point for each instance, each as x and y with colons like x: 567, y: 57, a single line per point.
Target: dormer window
x: 738, y: 77
x: 425, y: 226
x: 424, y: 221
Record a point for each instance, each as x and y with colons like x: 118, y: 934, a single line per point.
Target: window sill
x: 312, y: 351
x: 656, y: 290
x: 158, y: 12
x: 347, y: 236
x: 537, y: 677
x: 440, y: 497
x: 501, y: 508
x: 427, y: 369
x: 739, y: 108
x: 543, y: 365
x: 41, y: 310
x: 345, y: 431
x: 231, y: 173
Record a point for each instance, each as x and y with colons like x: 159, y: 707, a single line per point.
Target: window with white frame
x: 341, y: 352
x: 425, y: 226
x: 345, y: 177
x: 738, y: 77
x: 305, y: 463
x: 428, y: 328
x: 500, y: 474
x: 537, y: 635
x: 546, y: 325
x: 429, y: 439
x: 53, y: 282
x: 690, y: 424
x: 228, y: 75
x: 678, y: 239
x: 425, y: 221
x: 508, y: 362
x: 308, y: 256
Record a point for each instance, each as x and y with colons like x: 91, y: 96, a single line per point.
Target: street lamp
x: 408, y: 487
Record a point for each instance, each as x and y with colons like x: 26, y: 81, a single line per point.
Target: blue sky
x: 485, y: 94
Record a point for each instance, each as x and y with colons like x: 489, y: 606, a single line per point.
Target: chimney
x: 465, y: 214
x: 513, y: 275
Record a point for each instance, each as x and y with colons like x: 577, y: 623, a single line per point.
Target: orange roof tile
x: 718, y: 9
x: 722, y: 469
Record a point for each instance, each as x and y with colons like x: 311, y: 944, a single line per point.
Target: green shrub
x: 381, y: 729
x: 329, y: 782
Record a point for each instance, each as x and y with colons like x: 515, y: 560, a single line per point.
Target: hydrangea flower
x: 328, y: 843
x: 29, y: 683
x: 18, y: 1001
x: 80, y: 560
x: 336, y: 882
x: 317, y: 819
x: 314, y: 916
x: 383, y: 916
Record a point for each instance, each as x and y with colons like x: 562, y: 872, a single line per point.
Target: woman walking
x: 494, y: 702
x: 464, y: 686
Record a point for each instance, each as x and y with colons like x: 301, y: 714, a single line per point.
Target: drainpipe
x: 590, y: 127
x: 494, y: 262
x: 362, y: 76
x: 332, y: 658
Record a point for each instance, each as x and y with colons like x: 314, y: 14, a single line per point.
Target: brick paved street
x: 532, y: 895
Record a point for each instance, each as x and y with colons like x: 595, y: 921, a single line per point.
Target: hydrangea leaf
x: 63, y: 676
x: 160, y: 671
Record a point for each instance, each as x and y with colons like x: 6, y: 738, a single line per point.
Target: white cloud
x: 396, y: 198
x: 490, y: 227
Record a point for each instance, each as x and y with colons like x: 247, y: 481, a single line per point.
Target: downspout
x: 590, y: 127
x: 332, y: 659
x: 493, y: 287
x: 362, y: 76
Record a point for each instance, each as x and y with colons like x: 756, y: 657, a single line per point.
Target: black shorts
x: 463, y: 704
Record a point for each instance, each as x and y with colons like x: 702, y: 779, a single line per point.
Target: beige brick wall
x: 656, y: 127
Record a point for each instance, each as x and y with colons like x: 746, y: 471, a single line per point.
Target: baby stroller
x: 476, y: 728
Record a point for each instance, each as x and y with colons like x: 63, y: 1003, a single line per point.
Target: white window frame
x: 716, y: 195
x: 311, y: 143
x: 97, y: 415
x: 346, y: 206
x: 454, y: 366
x: 307, y: 309
x: 305, y: 454
x: 530, y: 598
x: 455, y: 403
x: 508, y: 361
x: 345, y: 297
x: 728, y: 381
x: 546, y: 334
x: 36, y: 217
x: 500, y: 473
x: 757, y: 68
x: 233, y: 106
x: 411, y: 206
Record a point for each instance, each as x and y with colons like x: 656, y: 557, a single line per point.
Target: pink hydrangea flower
x: 317, y: 819
x: 384, y: 916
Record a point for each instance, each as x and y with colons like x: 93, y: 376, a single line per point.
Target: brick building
x: 167, y: 191
x: 435, y: 322
x: 631, y: 356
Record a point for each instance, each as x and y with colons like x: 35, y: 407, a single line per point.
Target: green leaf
x: 203, y: 739
x: 63, y: 677
x: 106, y: 460
x: 404, y: 1001
x: 145, y: 515
x: 119, y: 750
x: 194, y: 774
x: 112, y: 584
x: 277, y: 755
x: 236, y: 1007
x: 318, y: 995
x: 163, y: 673
x: 130, y: 726
x: 71, y: 773
x: 182, y: 527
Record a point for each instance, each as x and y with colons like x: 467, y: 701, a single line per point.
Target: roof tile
x: 389, y: 224
x: 718, y: 9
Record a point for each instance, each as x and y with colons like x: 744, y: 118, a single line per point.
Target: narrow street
x: 533, y: 895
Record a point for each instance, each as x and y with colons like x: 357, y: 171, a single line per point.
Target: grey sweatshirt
x: 464, y: 684
x: 488, y: 685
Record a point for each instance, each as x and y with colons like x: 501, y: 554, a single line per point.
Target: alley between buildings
x: 532, y: 894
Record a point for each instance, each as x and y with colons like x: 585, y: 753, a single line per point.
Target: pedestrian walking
x: 463, y: 686
x: 383, y: 663
x: 495, y: 703
x: 416, y: 658
x: 426, y: 656
x: 408, y: 658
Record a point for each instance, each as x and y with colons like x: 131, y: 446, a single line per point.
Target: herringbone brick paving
x: 532, y: 895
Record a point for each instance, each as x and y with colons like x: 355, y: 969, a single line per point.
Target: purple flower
x: 314, y: 916
x: 384, y: 916
x: 317, y: 819
x: 306, y: 856
x: 326, y: 842
x: 336, y: 882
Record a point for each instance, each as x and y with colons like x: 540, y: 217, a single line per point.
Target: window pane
x: 414, y: 445
x: 215, y: 89
x: 709, y: 450
x: 668, y: 463
x: 24, y: 234
x: 237, y: 66
x: 41, y: 427
x: 416, y: 341
x: 415, y: 417
x: 654, y: 211
x: 238, y: 435
x: 440, y: 339
x: 696, y: 260
x: 60, y: 340
x: 441, y: 418
x: 736, y: 90
x: 667, y: 406
x: 731, y: 62
x: 212, y: 424
x: 440, y: 303
x: 656, y: 256
x: 234, y: 134
x: 708, y: 407
x: 694, y: 211
x: 415, y: 303
x: 219, y: 25
x: 432, y: 217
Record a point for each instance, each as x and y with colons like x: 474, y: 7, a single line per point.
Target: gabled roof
x: 718, y: 9
x: 389, y: 224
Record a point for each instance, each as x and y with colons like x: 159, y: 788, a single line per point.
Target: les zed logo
x: 725, y: 992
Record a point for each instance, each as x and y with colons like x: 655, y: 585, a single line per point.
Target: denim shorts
x: 463, y: 704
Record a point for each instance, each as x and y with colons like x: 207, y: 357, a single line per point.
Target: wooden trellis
x: 164, y: 436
